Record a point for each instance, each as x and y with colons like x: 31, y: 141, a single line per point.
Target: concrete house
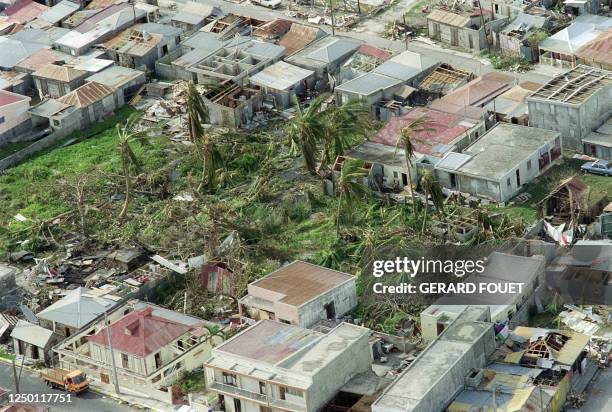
x: 440, y: 134
x: 235, y: 63
x: 466, y: 29
x: 76, y: 309
x: 152, y: 347
x: 56, y: 115
x: 599, y: 142
x: 33, y: 341
x: 560, y: 49
x: 53, y: 81
x: 93, y: 101
x: 193, y: 16
x: 14, y: 116
x: 514, y: 38
x: 511, y: 106
x: 574, y: 104
x: 134, y: 49
x: 125, y: 80
x: 278, y: 367
x: 499, y: 268
x: 59, y: 12
x: 283, y: 82
x: 301, y: 294
x: 407, y: 68
x: 232, y: 105
x: 496, y: 166
x: 436, y: 376
x: 324, y: 57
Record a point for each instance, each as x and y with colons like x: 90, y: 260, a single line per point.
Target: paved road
x: 367, y: 31
x: 599, y: 397
x: 90, y: 401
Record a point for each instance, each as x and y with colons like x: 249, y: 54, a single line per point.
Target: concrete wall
x: 573, y: 121
x: 344, y: 298
x: 13, y: 115
x: 55, y: 88
x: 33, y: 148
x: 18, y: 133
x: 328, y: 381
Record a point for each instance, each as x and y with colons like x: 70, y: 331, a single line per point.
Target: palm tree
x: 431, y: 188
x: 306, y: 130
x: 127, y: 134
x: 214, y: 331
x: 405, y: 140
x: 344, y: 126
x: 350, y: 188
x: 205, y: 142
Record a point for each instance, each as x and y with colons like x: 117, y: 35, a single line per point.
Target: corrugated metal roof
x: 598, y: 50
x: 60, y: 73
x: 449, y: 18
x: 368, y: 84
x: 77, y: 308
x: 281, y: 76
x: 25, y: 10
x: 299, y: 36
x: 116, y: 76
x: 41, y: 58
x: 32, y: 334
x: 453, y: 161
x: 59, y: 12
x: 86, y: 95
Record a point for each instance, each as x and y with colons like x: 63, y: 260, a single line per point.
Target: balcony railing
x: 231, y: 390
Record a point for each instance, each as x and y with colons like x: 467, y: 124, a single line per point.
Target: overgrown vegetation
x: 508, y: 62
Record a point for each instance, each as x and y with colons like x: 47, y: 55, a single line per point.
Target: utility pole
x: 405, y: 32
x: 112, y: 353
x: 17, y: 377
x: 331, y: 11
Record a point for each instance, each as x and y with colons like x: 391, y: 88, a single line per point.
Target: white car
x: 271, y: 4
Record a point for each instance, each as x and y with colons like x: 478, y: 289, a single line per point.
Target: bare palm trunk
x: 128, y: 189
x: 425, y: 213
x: 338, y: 213
x: 410, y: 185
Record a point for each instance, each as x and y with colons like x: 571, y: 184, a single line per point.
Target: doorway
x: 330, y: 311
x: 518, y: 178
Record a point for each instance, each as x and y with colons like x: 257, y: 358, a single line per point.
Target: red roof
x: 25, y: 10
x: 374, y: 52
x: 7, y: 98
x: 598, y: 50
x: 40, y: 59
x: 141, y: 333
x: 445, y: 128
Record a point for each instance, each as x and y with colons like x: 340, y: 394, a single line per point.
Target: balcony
x: 234, y: 391
x: 239, y: 392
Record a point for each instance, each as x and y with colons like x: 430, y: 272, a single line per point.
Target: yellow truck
x: 70, y: 381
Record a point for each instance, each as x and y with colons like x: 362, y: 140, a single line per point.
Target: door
x: 158, y: 360
x: 453, y: 180
x: 237, y: 405
x: 330, y: 310
x: 518, y: 178
x: 104, y: 378
x: 404, y: 179
x: 454, y: 37
x: 282, y: 391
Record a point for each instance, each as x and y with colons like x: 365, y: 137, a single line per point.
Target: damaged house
x: 152, y: 347
x: 500, y: 163
x: 463, y: 28
x: 53, y: 81
x: 440, y: 82
x: 193, y: 15
x: 92, y: 101
x: 511, y: 106
x: 135, y: 49
x: 515, y: 39
x: 275, y: 366
x: 575, y: 104
x: 124, y: 80
x: 299, y: 36
x: 282, y: 83
x: 33, y: 341
x: 232, y: 105
x: 300, y: 294
x: 572, y: 201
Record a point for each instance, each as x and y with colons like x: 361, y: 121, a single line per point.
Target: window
x: 262, y: 388
x: 284, y: 321
x: 294, y: 392
x: 528, y: 164
x: 124, y: 361
x: 1, y: 119
x: 395, y: 174
x: 230, y: 379
x: 508, y: 182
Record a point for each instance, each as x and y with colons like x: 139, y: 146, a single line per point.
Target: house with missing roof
x: 14, y: 116
x: 575, y: 104
x: 152, y: 348
x: 276, y: 366
x: 75, y: 310
x: 463, y: 28
x: 54, y: 81
x: 232, y: 105
x: 441, y: 133
x: 500, y: 163
x: 300, y: 294
x: 511, y: 106
x: 383, y: 82
x: 193, y: 15
x: 33, y: 341
x: 514, y: 38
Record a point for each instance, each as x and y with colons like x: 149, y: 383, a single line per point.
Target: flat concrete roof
x: 301, y: 282
x: 502, y: 149
x: 433, y: 363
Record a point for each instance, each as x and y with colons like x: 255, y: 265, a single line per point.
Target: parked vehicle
x: 598, y: 167
x: 70, y: 381
x: 271, y: 4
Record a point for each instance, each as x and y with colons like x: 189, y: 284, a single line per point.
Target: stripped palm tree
x: 306, y: 130
x: 127, y: 134
x: 432, y: 188
x: 214, y: 331
x: 350, y: 186
x: 205, y: 142
x: 406, y: 140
